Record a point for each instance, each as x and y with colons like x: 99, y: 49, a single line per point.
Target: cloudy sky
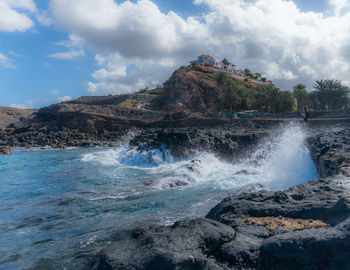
x: 51, y: 51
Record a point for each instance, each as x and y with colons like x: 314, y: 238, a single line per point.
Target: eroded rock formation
x: 304, y: 227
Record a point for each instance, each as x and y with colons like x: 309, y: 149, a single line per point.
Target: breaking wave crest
x: 279, y: 162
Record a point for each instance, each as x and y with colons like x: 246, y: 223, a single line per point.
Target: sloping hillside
x: 196, y: 90
x: 10, y: 115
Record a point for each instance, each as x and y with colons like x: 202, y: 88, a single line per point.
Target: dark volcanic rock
x: 304, y: 227
x: 307, y: 249
x: 319, y: 199
x: 190, y: 90
x: 331, y: 152
x: 191, y: 244
x: 231, y: 140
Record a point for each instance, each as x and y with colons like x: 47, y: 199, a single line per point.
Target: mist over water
x: 56, y: 207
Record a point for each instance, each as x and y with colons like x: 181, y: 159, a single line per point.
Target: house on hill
x: 257, y: 75
x: 205, y: 60
x: 208, y: 62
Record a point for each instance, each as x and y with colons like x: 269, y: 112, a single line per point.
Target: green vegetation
x: 238, y: 96
x: 142, y: 90
x: 225, y: 61
x: 157, y: 92
x: 300, y: 94
x: 329, y: 94
x: 128, y: 103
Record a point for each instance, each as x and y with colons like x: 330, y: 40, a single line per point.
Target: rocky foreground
x: 304, y: 227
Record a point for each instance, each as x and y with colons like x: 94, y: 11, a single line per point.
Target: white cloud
x: 74, y: 43
x: 54, y: 92
x: 18, y: 106
x: 137, y: 45
x: 68, y: 55
x: 339, y: 6
x: 11, y: 19
x: 6, y: 62
x: 44, y: 18
x: 64, y: 98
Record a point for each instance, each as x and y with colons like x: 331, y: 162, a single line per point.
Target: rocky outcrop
x: 191, y: 90
x: 331, y: 152
x: 67, y: 124
x: 5, y: 150
x: 304, y: 227
x: 190, y: 244
x: 13, y: 115
x: 231, y: 140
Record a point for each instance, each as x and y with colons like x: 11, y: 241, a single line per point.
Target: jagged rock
x: 305, y: 227
x: 331, y: 151
x: 190, y: 91
x: 5, y: 150
x: 190, y: 244
x: 226, y: 142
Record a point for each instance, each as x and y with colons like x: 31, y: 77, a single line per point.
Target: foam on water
x: 58, y: 207
x: 279, y: 162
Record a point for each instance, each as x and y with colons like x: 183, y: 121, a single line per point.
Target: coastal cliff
x: 188, y: 98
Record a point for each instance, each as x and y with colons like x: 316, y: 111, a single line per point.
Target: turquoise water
x: 59, y: 207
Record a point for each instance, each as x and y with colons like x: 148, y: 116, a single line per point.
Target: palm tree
x: 247, y: 72
x: 299, y: 93
x: 332, y: 94
x: 225, y: 62
x: 322, y: 93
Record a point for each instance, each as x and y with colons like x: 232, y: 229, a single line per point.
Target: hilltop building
x: 205, y: 60
x: 208, y: 62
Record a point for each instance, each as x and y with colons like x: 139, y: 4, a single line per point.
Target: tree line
x: 327, y: 94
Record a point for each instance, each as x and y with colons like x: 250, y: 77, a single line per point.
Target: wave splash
x: 281, y: 161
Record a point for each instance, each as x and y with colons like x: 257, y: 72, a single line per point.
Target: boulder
x: 189, y: 244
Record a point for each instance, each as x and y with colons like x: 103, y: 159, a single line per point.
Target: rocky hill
x: 189, y: 98
x: 195, y: 90
x: 185, y: 98
x: 10, y: 115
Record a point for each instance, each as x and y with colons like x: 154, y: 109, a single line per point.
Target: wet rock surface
x: 225, y: 141
x: 331, y: 152
x: 190, y: 244
x: 64, y: 125
x: 304, y: 227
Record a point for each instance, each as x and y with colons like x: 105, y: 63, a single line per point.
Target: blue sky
x: 52, y: 51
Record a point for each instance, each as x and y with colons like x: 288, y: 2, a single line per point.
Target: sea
x: 60, y: 207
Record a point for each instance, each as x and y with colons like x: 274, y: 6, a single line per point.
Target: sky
x: 57, y: 50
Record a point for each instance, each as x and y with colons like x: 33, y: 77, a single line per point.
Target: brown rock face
x: 12, y: 115
x: 190, y: 90
x: 5, y: 150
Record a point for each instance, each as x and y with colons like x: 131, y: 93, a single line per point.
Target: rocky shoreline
x: 304, y: 227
